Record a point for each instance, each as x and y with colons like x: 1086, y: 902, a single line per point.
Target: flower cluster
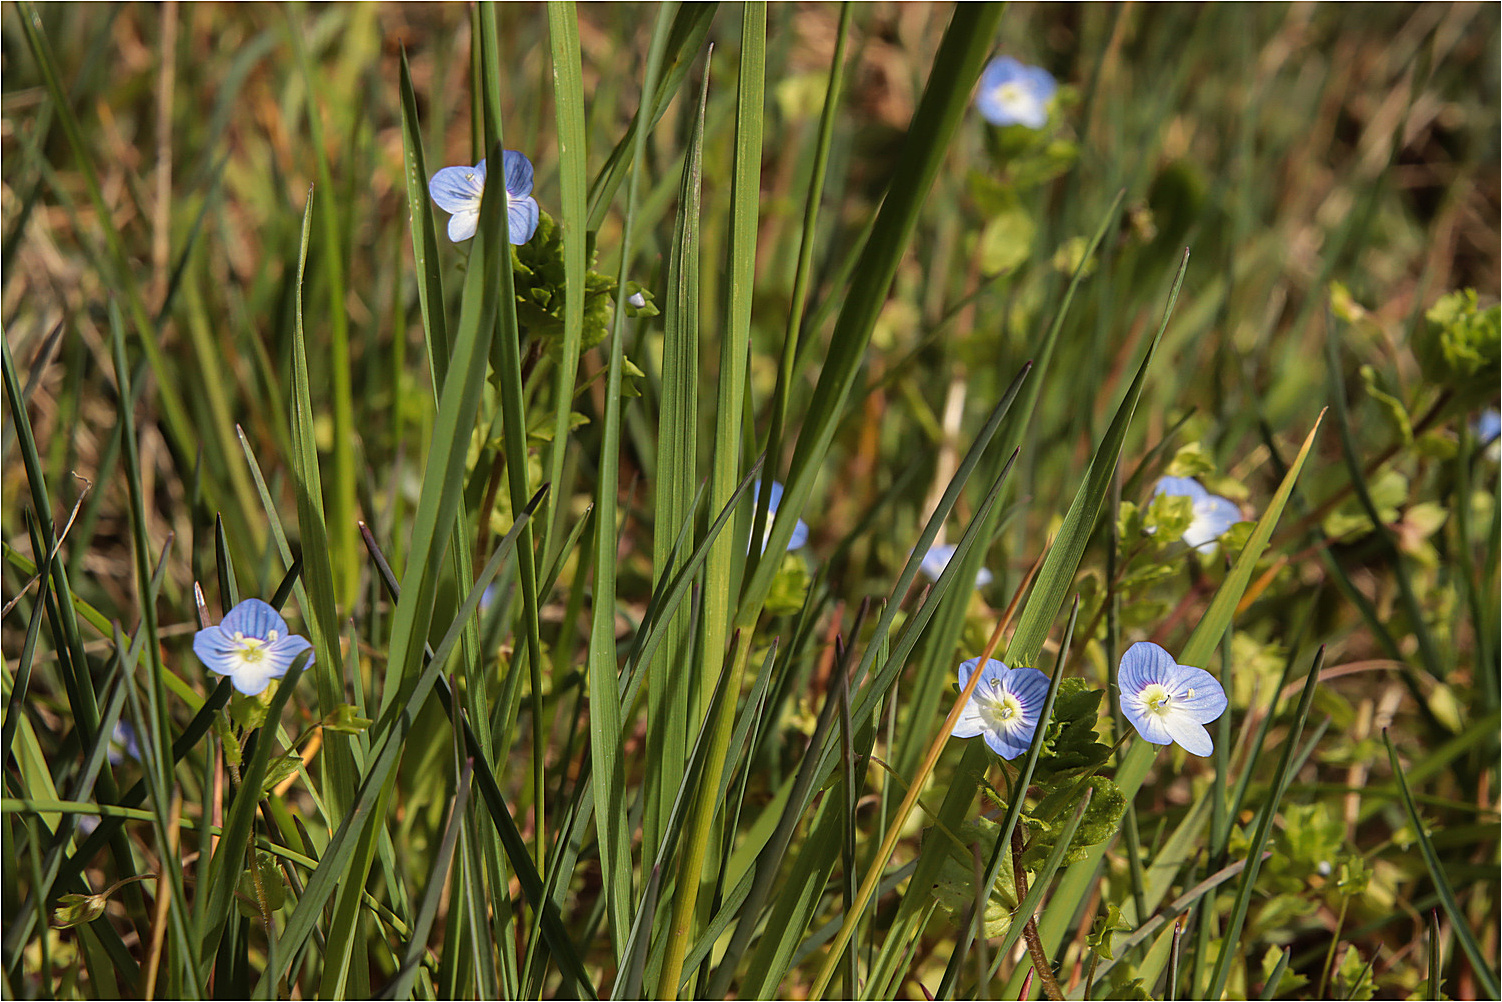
x: 1166, y: 702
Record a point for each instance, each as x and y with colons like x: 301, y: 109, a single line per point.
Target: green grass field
x: 609, y: 662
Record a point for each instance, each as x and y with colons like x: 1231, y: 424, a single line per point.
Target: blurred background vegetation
x: 1334, y: 170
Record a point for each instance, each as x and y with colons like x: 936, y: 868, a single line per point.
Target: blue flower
x: 800, y: 531
x: 1168, y: 702
x: 123, y: 743
x: 1014, y: 94
x: 1487, y: 426
x: 1004, y: 708
x: 938, y: 557
x: 1213, y: 514
x: 252, y: 645
x: 457, y: 191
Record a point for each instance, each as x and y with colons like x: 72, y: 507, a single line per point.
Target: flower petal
x: 518, y: 175
x: 458, y: 189
x: 1190, y: 734
x: 1213, y: 515
x: 253, y: 679
x: 1009, y: 743
x: 936, y: 559
x: 969, y: 723
x: 1180, y: 487
x: 521, y: 219
x: 253, y: 618
x: 1149, y: 725
x: 1208, y: 701
x: 799, y: 538
x: 1030, y: 686
x: 286, y: 650
x: 1142, y: 664
x: 462, y: 225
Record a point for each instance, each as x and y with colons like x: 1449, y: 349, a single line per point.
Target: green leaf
x: 346, y: 719
x: 280, y: 769
x: 1101, y: 820
x: 1070, y: 744
x: 1007, y: 241
x: 954, y: 886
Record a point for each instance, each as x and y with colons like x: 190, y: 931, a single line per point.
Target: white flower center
x: 1013, y: 97
x: 1001, y: 710
x: 253, y: 649
x: 1157, y: 699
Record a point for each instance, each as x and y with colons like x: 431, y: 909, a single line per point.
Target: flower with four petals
x: 1004, y: 708
x: 1168, y: 702
x: 1012, y: 93
x: 457, y: 191
x: 251, y: 645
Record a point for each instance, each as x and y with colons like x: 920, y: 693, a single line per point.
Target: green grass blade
x: 1459, y: 921
x: 1281, y: 778
x: 573, y: 155
x: 605, y: 724
x: 229, y: 855
x: 505, y: 360
x: 669, y: 686
x: 387, y: 738
x: 341, y: 537
x: 684, y: 41
x: 425, y: 247
x: 1009, y: 822
x: 1057, y: 573
x: 401, y: 985
x: 956, y: 66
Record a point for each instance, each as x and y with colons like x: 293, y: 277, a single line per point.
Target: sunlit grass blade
x: 1459, y: 921
x: 605, y: 725
x: 505, y: 361
x: 229, y: 857
x: 670, y: 709
x: 568, y: 106
x: 684, y: 41
x: 340, y: 530
x: 387, y: 733
x: 1280, y: 781
x: 956, y: 65
x: 425, y: 247
x: 999, y: 856
x: 406, y: 975
x: 819, y: 759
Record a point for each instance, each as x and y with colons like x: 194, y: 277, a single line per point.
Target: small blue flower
x: 1014, y: 94
x: 1004, y: 708
x: 800, y: 531
x: 1487, y: 426
x: 938, y: 557
x: 123, y: 744
x: 252, y: 645
x: 457, y: 191
x: 1168, y: 702
x: 1213, y: 514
